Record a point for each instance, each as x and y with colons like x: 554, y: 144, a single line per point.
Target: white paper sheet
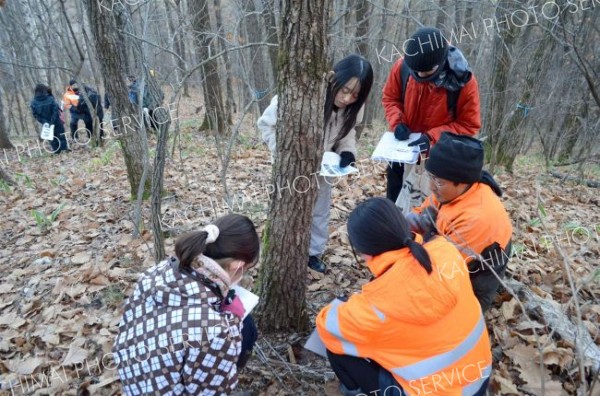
x: 314, y: 344
x: 390, y: 149
x: 249, y: 299
x: 330, y: 166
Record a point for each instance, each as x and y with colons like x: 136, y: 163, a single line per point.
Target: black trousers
x: 249, y: 337
x: 485, y: 285
x: 89, y: 126
x: 369, y: 377
x: 395, y: 174
x: 358, y: 373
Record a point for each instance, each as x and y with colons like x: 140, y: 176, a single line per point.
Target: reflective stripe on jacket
x: 70, y: 98
x: 426, y: 329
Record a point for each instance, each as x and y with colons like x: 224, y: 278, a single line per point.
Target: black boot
x: 316, y: 264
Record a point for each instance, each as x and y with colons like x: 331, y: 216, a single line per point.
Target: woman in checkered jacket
x: 181, y: 333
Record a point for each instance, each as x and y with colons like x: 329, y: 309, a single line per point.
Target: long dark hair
x: 41, y: 89
x: 377, y: 226
x: 349, y: 67
x: 237, y: 240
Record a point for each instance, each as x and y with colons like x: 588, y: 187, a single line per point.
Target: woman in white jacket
x: 348, y: 88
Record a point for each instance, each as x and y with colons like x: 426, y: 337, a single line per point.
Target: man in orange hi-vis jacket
x: 465, y: 207
x: 411, y: 330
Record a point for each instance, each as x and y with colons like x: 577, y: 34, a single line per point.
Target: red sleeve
x: 468, y: 118
x: 394, y: 109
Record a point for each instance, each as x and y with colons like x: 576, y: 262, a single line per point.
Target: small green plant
x: 534, y: 222
x: 4, y: 186
x: 542, y: 210
x: 25, y: 179
x: 108, y: 155
x: 58, y: 181
x: 518, y: 249
x: 546, y: 242
x: 113, y: 296
x: 577, y: 230
x: 44, y: 222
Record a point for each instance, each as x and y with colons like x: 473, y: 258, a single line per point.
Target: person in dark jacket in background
x: 95, y: 101
x: 73, y: 101
x: 45, y: 109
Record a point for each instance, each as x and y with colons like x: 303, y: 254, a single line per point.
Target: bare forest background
x: 104, y: 212
x: 537, y: 68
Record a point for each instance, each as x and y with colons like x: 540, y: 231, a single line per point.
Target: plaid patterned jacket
x: 173, y: 340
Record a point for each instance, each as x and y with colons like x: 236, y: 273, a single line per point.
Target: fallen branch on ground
x: 563, y: 177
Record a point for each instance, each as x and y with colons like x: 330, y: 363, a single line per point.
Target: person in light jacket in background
x: 347, y: 90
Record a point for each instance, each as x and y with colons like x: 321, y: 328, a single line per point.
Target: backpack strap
x: 404, y: 74
x: 452, y: 100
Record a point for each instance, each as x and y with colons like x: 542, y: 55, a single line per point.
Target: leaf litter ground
x: 64, y: 281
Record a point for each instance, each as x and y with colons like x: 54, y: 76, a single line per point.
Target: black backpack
x: 451, y: 96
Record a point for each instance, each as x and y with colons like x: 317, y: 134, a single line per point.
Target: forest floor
x: 65, y: 277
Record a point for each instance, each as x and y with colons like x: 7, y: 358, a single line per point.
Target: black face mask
x: 429, y: 78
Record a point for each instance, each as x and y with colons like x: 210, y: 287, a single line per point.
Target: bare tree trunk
x: 380, y: 70
x: 272, y: 34
x: 157, y: 186
x: 31, y: 29
x: 363, y: 14
x: 4, y: 139
x: 510, y: 142
x: 106, y: 26
x: 302, y: 60
x: 211, y: 82
x: 5, y: 177
x: 441, y: 14
x: 258, y: 65
x: 178, y: 45
x: 501, y: 66
x: 230, y: 105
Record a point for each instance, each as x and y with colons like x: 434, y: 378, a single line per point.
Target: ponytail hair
x: 237, y: 240
x: 377, y: 226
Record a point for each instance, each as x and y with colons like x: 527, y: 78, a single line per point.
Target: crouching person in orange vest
x: 465, y: 207
x: 409, y: 331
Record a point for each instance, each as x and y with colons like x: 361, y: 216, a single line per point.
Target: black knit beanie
x: 425, y: 49
x: 457, y: 158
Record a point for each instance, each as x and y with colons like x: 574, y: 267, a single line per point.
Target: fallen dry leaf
x: 75, y: 355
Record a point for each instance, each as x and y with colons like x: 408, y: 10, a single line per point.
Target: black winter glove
x: 424, y: 223
x: 346, y: 159
x: 402, y: 132
x: 423, y: 143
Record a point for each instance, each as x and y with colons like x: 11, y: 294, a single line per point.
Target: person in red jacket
x: 410, y: 330
x: 441, y: 95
